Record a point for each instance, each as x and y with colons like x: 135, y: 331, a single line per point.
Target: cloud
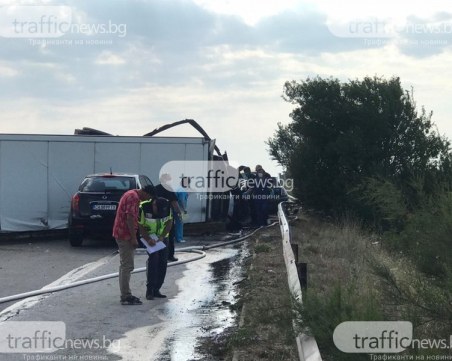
x: 8, y: 72
x: 109, y: 58
x: 250, y: 11
x: 170, y: 42
x: 423, y: 37
x: 301, y: 33
x: 179, y: 60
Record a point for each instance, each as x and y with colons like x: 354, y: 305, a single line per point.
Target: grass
x: 266, y: 331
x: 241, y: 337
x: 351, y: 277
x: 268, y: 304
x: 340, y: 287
x: 262, y: 248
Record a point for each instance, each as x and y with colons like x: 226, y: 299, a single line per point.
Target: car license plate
x: 104, y: 207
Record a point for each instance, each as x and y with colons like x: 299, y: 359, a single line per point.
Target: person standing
x: 259, y: 168
x: 125, y: 232
x: 246, y: 211
x: 164, y: 190
x: 260, y: 193
x: 182, y: 200
x: 156, y: 219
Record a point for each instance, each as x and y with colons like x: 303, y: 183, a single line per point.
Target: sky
x: 128, y: 67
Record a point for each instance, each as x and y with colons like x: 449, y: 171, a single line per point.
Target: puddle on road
x: 201, y: 308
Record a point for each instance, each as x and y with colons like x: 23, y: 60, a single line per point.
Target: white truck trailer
x: 40, y: 173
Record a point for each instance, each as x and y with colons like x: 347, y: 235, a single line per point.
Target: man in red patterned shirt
x: 125, y: 232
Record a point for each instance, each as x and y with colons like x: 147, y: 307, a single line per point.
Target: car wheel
x: 75, y: 238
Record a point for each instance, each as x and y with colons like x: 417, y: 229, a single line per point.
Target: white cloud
x: 108, y: 58
x: 181, y: 60
x: 382, y: 8
x: 7, y: 71
x: 251, y: 11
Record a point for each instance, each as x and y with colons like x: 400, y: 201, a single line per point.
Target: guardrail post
x: 295, y: 251
x: 302, y: 269
x: 297, y: 279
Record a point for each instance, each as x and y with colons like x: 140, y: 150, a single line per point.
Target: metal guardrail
x: 307, y: 345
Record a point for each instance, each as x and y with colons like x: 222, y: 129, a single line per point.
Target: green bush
x: 366, y: 282
x: 324, y: 313
x: 422, y: 232
x: 427, y: 237
x: 381, y: 203
x: 343, y: 133
x: 411, y: 296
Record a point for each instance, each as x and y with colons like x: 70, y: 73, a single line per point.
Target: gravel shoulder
x: 263, y: 329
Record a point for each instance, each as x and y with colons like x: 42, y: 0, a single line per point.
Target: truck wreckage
x: 39, y: 173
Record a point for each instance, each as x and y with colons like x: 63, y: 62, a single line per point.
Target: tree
x: 343, y: 134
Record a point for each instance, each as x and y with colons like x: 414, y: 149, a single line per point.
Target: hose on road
x: 200, y: 250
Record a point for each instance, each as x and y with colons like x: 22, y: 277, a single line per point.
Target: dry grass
x: 335, y: 254
x: 268, y: 311
x: 351, y: 277
x: 265, y: 330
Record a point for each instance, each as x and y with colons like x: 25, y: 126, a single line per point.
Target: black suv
x: 93, y: 207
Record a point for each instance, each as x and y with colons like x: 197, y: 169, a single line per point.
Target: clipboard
x: 151, y: 249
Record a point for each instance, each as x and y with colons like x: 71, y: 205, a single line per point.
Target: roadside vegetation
x: 374, y: 176
x: 353, y: 277
x: 264, y: 329
x: 267, y: 310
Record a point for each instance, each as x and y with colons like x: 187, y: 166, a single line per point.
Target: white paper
x: 151, y: 249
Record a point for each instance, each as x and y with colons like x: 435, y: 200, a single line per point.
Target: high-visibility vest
x: 153, y: 225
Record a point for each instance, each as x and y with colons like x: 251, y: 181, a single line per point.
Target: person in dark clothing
x: 260, y: 169
x: 260, y: 190
x: 246, y: 207
x: 163, y: 190
x: 155, y: 217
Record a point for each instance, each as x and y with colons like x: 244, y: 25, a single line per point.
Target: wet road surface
x: 199, y: 294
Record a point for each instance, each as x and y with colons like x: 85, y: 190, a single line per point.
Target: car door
x: 144, y: 181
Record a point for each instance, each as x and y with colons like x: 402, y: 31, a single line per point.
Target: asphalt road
x: 30, y: 265
x: 97, y: 327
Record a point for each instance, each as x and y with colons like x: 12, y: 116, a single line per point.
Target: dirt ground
x: 263, y: 329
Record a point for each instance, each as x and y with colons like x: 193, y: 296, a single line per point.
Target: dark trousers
x: 156, y: 270
x: 261, y: 212
x: 171, y: 239
x: 252, y: 204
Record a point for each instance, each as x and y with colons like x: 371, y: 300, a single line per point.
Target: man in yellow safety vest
x: 156, y: 218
